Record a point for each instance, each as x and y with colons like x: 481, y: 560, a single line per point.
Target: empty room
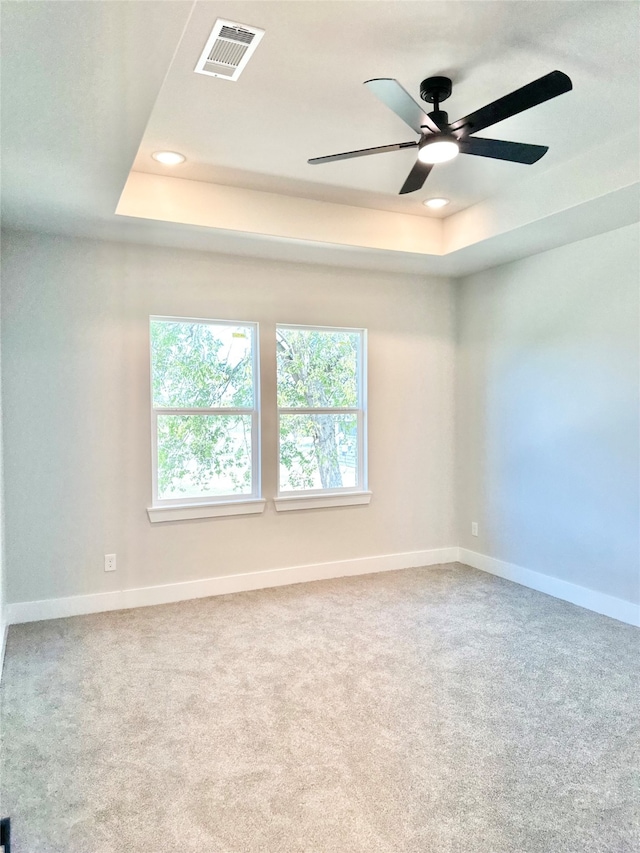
x: 320, y: 426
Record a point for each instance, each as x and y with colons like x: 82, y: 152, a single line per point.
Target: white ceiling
x: 86, y: 85
x: 301, y: 94
x: 79, y: 80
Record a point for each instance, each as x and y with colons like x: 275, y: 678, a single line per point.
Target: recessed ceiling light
x: 169, y: 158
x: 436, y: 202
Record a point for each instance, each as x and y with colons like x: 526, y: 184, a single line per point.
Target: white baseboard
x: 77, y: 605
x: 599, y: 602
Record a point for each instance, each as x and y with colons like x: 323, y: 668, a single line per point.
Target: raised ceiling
x: 301, y: 94
x: 111, y: 82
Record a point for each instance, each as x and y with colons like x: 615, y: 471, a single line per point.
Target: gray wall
x: 548, y: 413
x: 546, y: 423
x: 2, y: 556
x: 77, y: 422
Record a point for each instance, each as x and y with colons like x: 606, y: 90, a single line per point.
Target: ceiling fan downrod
x: 434, y: 90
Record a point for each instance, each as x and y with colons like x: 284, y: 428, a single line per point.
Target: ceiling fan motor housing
x: 434, y: 90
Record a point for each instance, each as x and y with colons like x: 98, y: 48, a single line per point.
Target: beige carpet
x: 439, y: 710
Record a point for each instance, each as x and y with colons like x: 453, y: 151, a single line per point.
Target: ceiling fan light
x: 438, y: 150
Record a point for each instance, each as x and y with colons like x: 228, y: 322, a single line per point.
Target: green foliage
x: 310, y: 450
x: 204, y: 365
x: 315, y: 369
x: 204, y: 454
x: 201, y: 365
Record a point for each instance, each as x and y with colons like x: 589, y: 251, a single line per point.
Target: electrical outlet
x: 109, y: 562
x: 474, y: 529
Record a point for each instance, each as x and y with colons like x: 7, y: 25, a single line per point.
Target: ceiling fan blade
x: 416, y: 177
x: 541, y: 90
x: 391, y: 93
x: 362, y: 152
x: 516, y: 152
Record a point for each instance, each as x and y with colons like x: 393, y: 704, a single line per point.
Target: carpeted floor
x: 435, y: 710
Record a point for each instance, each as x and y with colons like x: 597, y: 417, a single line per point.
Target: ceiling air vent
x: 228, y: 49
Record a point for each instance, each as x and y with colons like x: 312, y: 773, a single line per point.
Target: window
x: 321, y: 415
x: 205, y: 417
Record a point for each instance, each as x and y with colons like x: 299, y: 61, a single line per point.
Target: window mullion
x: 200, y: 410
x: 318, y: 410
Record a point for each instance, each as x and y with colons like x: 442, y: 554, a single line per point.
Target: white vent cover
x: 228, y: 49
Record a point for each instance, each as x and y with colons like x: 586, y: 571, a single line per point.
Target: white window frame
x: 347, y: 495
x: 174, y: 509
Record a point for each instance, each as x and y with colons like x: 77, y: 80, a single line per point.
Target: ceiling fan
x: 441, y: 140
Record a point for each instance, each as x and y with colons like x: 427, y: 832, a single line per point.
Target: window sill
x: 293, y: 502
x: 252, y: 506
